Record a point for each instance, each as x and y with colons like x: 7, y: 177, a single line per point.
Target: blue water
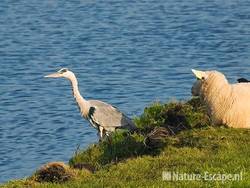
x: 128, y: 53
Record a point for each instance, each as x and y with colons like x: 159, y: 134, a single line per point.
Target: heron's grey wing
x: 110, y: 117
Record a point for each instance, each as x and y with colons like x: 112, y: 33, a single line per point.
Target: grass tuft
x: 117, y: 147
x: 54, y: 172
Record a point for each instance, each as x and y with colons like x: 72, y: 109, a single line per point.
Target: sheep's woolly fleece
x: 226, y: 103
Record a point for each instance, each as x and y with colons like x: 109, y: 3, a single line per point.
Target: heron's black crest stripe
x: 63, y: 70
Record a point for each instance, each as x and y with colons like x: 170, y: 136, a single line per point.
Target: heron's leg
x: 101, y: 132
x: 98, y: 134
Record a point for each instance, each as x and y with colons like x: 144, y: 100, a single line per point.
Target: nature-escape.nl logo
x: 206, y: 176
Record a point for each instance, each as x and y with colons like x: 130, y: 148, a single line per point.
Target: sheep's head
x: 201, y: 77
x: 206, y: 79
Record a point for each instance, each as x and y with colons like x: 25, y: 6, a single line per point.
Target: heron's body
x: 107, y: 117
x: 102, y: 116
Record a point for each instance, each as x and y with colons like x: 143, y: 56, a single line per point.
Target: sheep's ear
x: 199, y: 74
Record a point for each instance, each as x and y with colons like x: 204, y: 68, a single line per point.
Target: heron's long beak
x: 54, y: 75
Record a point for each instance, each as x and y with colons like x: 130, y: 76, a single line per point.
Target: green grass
x: 193, y: 147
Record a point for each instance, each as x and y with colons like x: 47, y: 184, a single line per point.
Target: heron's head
x: 201, y: 76
x: 64, y: 72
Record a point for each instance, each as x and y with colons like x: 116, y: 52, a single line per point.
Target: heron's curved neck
x: 81, y: 102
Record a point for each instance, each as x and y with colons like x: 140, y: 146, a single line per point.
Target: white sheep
x: 226, y: 103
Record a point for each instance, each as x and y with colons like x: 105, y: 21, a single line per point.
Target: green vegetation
x: 176, y: 137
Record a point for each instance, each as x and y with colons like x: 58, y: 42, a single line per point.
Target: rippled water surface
x: 128, y: 53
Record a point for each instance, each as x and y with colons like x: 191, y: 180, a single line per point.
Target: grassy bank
x: 175, y: 137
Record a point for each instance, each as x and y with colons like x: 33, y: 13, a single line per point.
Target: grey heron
x: 102, y: 116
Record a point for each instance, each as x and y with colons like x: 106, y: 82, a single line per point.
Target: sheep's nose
x: 193, y: 91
